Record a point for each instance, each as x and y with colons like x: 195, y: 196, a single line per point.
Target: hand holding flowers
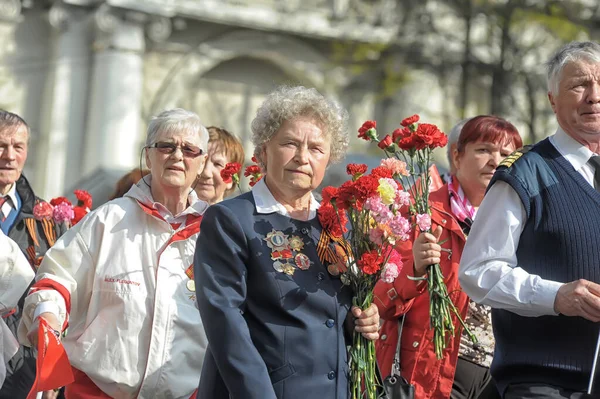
x: 427, y: 251
x: 367, y: 321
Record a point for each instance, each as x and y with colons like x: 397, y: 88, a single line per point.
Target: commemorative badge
x: 277, y: 240
x: 289, y: 269
x: 191, y: 285
x: 296, y: 243
x: 285, y: 252
x: 278, y: 266
x: 302, y: 261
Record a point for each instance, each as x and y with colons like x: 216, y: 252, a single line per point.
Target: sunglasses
x: 189, y: 151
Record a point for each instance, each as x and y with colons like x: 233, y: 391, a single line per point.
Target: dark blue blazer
x: 271, y: 334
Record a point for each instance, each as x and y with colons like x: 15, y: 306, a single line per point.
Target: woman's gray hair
x: 287, y: 103
x: 454, y: 135
x: 574, y: 51
x: 177, y: 119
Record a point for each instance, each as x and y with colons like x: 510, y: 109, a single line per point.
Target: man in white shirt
x: 532, y: 254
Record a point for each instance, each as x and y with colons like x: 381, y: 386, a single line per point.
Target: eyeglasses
x: 189, y: 151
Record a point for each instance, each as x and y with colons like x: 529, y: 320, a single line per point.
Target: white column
x: 114, y: 113
x: 65, y: 102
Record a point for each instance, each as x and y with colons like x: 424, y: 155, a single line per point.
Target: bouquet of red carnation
x: 372, y: 205
x: 412, y: 145
x: 231, y: 173
x: 254, y: 172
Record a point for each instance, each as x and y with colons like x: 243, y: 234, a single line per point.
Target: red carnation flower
x: 59, y: 200
x: 385, y: 143
x: 370, y: 262
x: 367, y: 131
x: 428, y: 135
x: 345, y: 197
x: 230, y: 172
x: 78, y: 213
x: 410, y: 120
x: 329, y: 194
x: 380, y: 172
x: 364, y: 187
x: 333, y: 221
x: 354, y: 169
x: 252, y: 170
x: 84, y: 198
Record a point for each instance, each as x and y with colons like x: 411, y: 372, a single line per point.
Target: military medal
x: 296, y: 243
x: 282, y: 252
x: 289, y: 269
x: 302, y: 261
x: 278, y: 266
x: 277, y: 240
x: 333, y: 270
x: 191, y: 285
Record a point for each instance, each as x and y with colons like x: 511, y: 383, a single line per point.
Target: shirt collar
x: 577, y: 154
x: 12, y: 194
x: 142, y: 193
x: 266, y: 203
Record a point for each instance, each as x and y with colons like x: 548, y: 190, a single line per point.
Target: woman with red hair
x: 464, y: 370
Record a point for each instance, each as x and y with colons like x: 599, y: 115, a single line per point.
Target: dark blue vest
x: 560, y: 242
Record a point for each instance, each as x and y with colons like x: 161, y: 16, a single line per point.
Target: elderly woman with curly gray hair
x: 277, y: 322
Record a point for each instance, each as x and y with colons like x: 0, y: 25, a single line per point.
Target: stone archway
x: 294, y: 57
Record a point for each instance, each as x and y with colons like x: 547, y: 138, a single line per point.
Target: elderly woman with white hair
x: 121, y: 279
x: 277, y: 322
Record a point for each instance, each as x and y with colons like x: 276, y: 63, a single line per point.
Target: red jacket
x: 432, y: 378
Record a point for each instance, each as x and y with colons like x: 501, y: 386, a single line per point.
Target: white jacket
x: 119, y: 279
x: 15, y: 276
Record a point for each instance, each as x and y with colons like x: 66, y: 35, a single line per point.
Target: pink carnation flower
x: 424, y: 222
x: 63, y: 212
x: 42, y: 210
x: 400, y: 227
x: 390, y: 272
x: 402, y: 198
x: 397, y: 166
x: 376, y: 236
x: 380, y: 211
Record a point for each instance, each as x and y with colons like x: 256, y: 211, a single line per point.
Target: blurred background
x: 87, y: 75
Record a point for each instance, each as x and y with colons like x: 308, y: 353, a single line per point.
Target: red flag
x: 53, y: 367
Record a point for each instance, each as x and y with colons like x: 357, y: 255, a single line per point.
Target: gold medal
x: 289, y: 269
x: 191, y: 285
x: 296, y: 243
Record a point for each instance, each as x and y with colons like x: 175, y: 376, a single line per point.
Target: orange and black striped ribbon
x: 190, y: 272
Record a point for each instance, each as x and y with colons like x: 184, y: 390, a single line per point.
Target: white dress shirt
x: 8, y: 206
x: 266, y: 203
x: 488, y: 268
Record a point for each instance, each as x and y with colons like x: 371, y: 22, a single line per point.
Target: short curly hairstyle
x: 289, y: 102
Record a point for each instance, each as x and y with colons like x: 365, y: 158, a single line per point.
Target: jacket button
x: 444, y: 221
x: 321, y: 276
x: 383, y: 337
x: 415, y: 344
x: 331, y: 375
x: 304, y: 230
x: 330, y: 323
